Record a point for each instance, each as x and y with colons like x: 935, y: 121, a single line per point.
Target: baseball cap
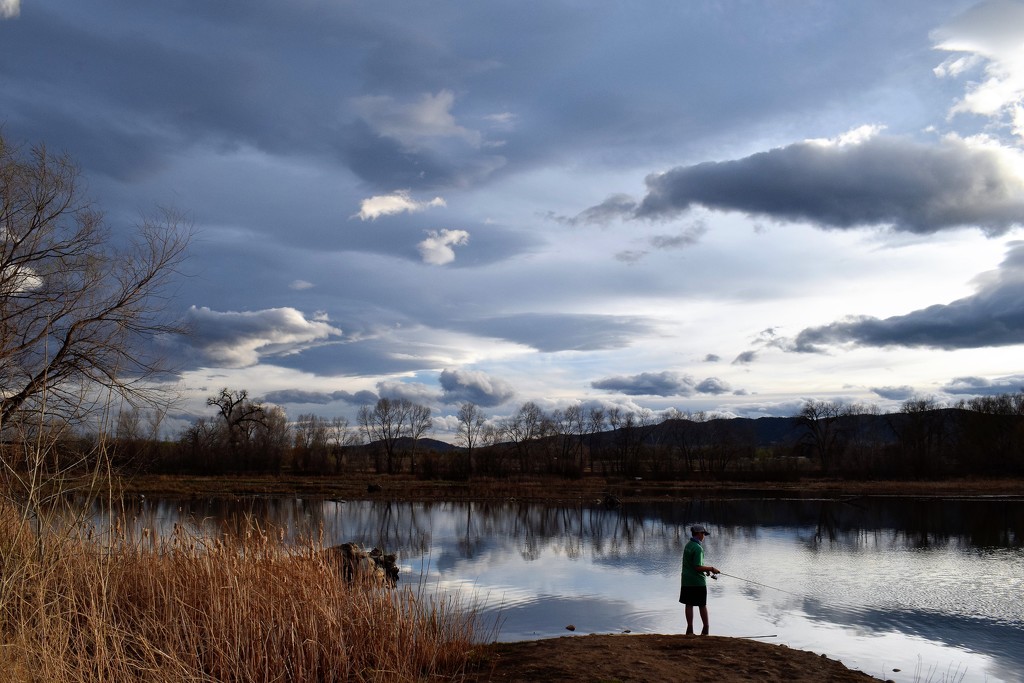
x: 699, y: 529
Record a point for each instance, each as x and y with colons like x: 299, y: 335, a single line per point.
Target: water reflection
x: 880, y: 583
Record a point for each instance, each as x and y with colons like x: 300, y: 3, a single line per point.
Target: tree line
x: 980, y: 436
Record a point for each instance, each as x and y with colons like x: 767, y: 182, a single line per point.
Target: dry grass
x: 77, y: 607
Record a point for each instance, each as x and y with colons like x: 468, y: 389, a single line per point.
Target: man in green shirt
x: 694, y: 590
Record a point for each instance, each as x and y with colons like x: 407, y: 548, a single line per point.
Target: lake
x: 908, y: 589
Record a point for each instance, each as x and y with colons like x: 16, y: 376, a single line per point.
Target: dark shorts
x: 695, y: 596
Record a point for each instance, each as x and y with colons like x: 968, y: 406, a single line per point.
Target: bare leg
x: 704, y: 620
x: 689, y: 620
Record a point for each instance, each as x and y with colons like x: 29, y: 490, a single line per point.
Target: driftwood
x: 356, y: 564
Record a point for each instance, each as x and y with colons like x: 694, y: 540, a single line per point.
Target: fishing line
x: 764, y: 585
x: 836, y: 604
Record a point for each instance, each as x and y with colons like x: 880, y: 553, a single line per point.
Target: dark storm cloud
x: 745, y: 358
x: 552, y: 332
x: 660, y: 384
x: 994, y: 316
x: 980, y: 386
x: 459, y: 386
x: 883, y: 181
x: 288, y: 396
x: 220, y: 87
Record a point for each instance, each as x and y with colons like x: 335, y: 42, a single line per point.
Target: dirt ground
x: 655, y: 658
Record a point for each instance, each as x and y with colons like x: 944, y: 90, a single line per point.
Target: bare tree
x: 596, y: 420
x: 391, y: 420
x: 242, y: 417
x: 821, y: 420
x: 341, y: 435
x: 419, y: 424
x: 523, y: 430
x: 77, y: 313
x: 569, y: 426
x: 269, y: 439
x: 471, y: 425
x: 311, y: 443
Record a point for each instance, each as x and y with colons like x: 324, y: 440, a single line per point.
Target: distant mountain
x: 765, y: 432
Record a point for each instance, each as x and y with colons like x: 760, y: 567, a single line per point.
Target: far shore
x: 368, y: 486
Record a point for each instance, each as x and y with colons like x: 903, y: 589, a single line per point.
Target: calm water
x: 932, y: 588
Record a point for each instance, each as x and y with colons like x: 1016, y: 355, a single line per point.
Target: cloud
x: 745, y: 358
x: 9, y: 8
x: 685, y: 238
x: 417, y: 392
x: 563, y: 332
x: 994, y: 316
x: 302, y: 396
x: 399, y: 201
x: 849, y: 183
x: 901, y: 393
x: 614, y: 208
x: 630, y: 257
x: 713, y: 385
x: 459, y: 386
x: 437, y: 250
x: 660, y: 384
x: 243, y: 339
x: 414, y: 123
x: 987, y: 37
x: 979, y: 386
x: 300, y: 285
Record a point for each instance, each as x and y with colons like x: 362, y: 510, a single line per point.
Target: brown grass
x: 77, y: 607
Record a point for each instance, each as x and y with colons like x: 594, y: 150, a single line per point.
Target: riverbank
x: 628, y: 658
x: 552, y: 490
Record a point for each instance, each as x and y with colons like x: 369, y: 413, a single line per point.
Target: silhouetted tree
x: 78, y: 314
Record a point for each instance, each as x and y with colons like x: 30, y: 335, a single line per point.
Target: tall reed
x: 83, y: 606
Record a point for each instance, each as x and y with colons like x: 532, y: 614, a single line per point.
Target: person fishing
x: 694, y: 589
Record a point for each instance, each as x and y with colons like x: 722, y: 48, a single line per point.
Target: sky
x: 732, y: 206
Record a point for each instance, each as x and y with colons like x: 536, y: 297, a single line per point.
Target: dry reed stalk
x: 199, y: 609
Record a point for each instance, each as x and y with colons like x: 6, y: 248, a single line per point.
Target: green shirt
x: 693, y: 557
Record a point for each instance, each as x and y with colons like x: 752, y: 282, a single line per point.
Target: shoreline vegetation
x: 79, y: 604
x: 589, y: 488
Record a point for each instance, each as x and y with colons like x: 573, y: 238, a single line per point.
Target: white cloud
x: 503, y: 121
x: 413, y: 123
x: 9, y: 8
x: 437, y: 248
x: 989, y: 36
x: 854, y: 136
x: 474, y: 386
x: 241, y: 339
x: 396, y: 202
x: 417, y: 392
x: 300, y: 285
